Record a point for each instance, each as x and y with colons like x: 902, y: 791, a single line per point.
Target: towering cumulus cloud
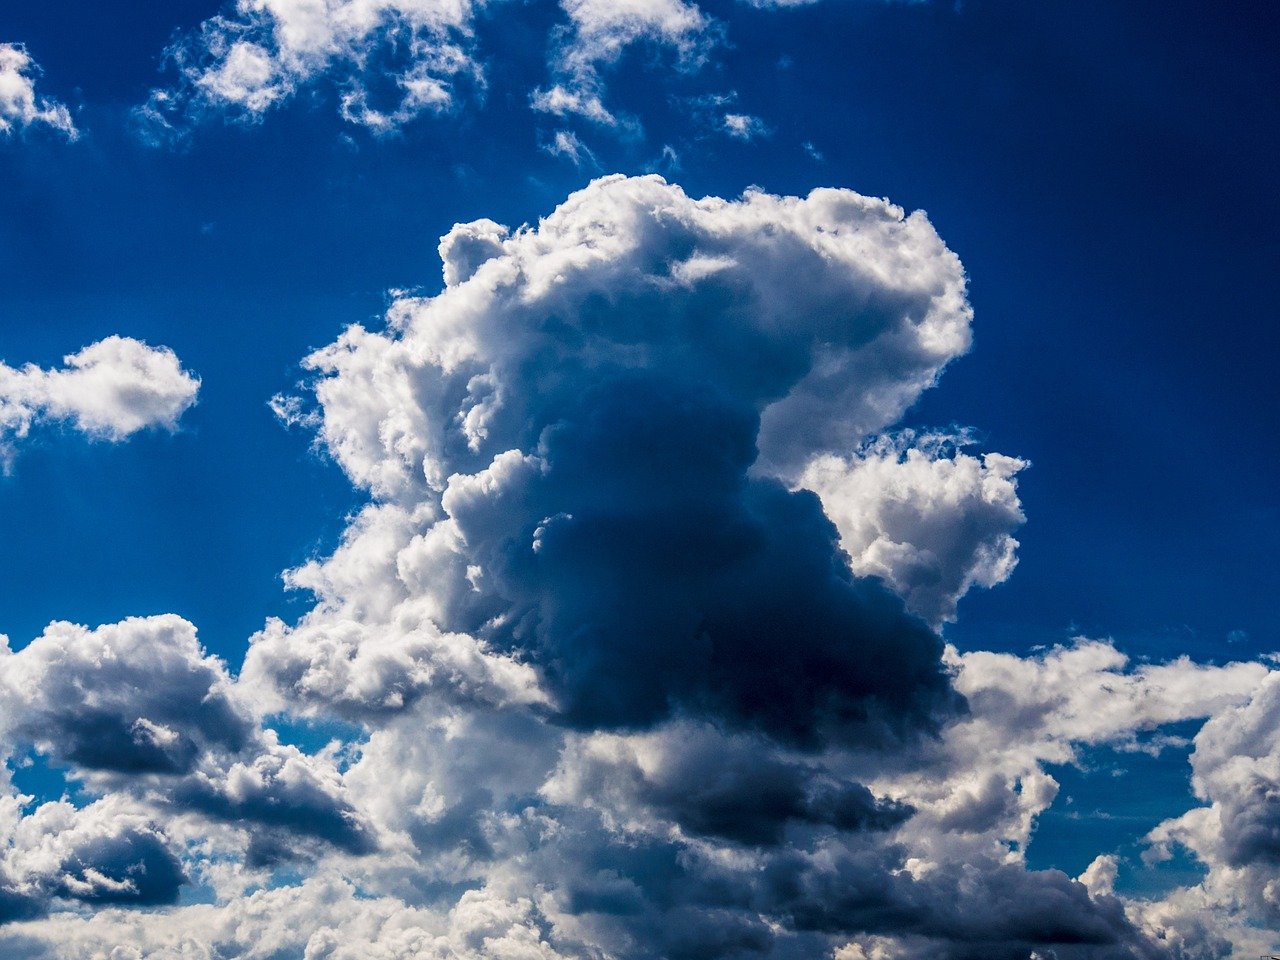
x: 19, y: 106
x: 109, y: 390
x: 588, y: 436
x: 631, y: 653
x: 594, y: 546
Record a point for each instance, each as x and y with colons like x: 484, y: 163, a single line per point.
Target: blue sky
x: 1106, y: 177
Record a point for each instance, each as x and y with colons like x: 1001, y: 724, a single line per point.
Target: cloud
x: 738, y: 789
x: 109, y: 390
x: 621, y: 527
x: 324, y: 918
x: 929, y: 520
x: 391, y: 60
x: 565, y: 143
x: 19, y: 106
x: 600, y: 32
x: 372, y: 646
x: 1236, y: 836
x: 743, y: 126
x: 138, y: 709
x: 827, y: 316
x: 606, y: 680
x: 133, y: 697
x: 106, y: 853
x: 606, y: 640
x: 684, y: 841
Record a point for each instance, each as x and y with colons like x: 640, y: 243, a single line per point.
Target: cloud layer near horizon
x: 632, y: 651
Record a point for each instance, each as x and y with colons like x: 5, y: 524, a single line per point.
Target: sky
x: 639, y: 479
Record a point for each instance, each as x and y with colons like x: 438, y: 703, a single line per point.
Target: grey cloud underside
x: 139, y: 867
x: 104, y: 854
x: 138, y: 710
x: 669, y: 580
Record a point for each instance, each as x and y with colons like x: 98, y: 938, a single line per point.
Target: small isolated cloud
x: 600, y: 32
x: 565, y: 143
x: 743, y: 126
x: 20, y: 107
x: 109, y: 390
x: 390, y: 61
x: 715, y: 113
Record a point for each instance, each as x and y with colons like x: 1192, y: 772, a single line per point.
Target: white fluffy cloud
x: 1236, y: 773
x: 853, y: 305
x: 795, y: 326
x: 615, y: 689
x: 20, y: 107
x: 393, y: 60
x: 109, y: 390
x: 372, y: 645
x: 137, y: 709
x: 324, y: 918
x: 933, y: 522
x: 626, y: 820
x: 108, y: 852
x: 390, y: 59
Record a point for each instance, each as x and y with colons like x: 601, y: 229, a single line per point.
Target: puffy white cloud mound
x: 1236, y: 772
x: 138, y: 709
x: 827, y: 315
x: 109, y: 390
x: 20, y: 107
x: 929, y: 520
x: 108, y: 852
x: 136, y: 696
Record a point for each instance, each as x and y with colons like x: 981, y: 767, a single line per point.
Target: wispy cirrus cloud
x: 600, y: 32
x: 20, y: 106
x: 391, y: 60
